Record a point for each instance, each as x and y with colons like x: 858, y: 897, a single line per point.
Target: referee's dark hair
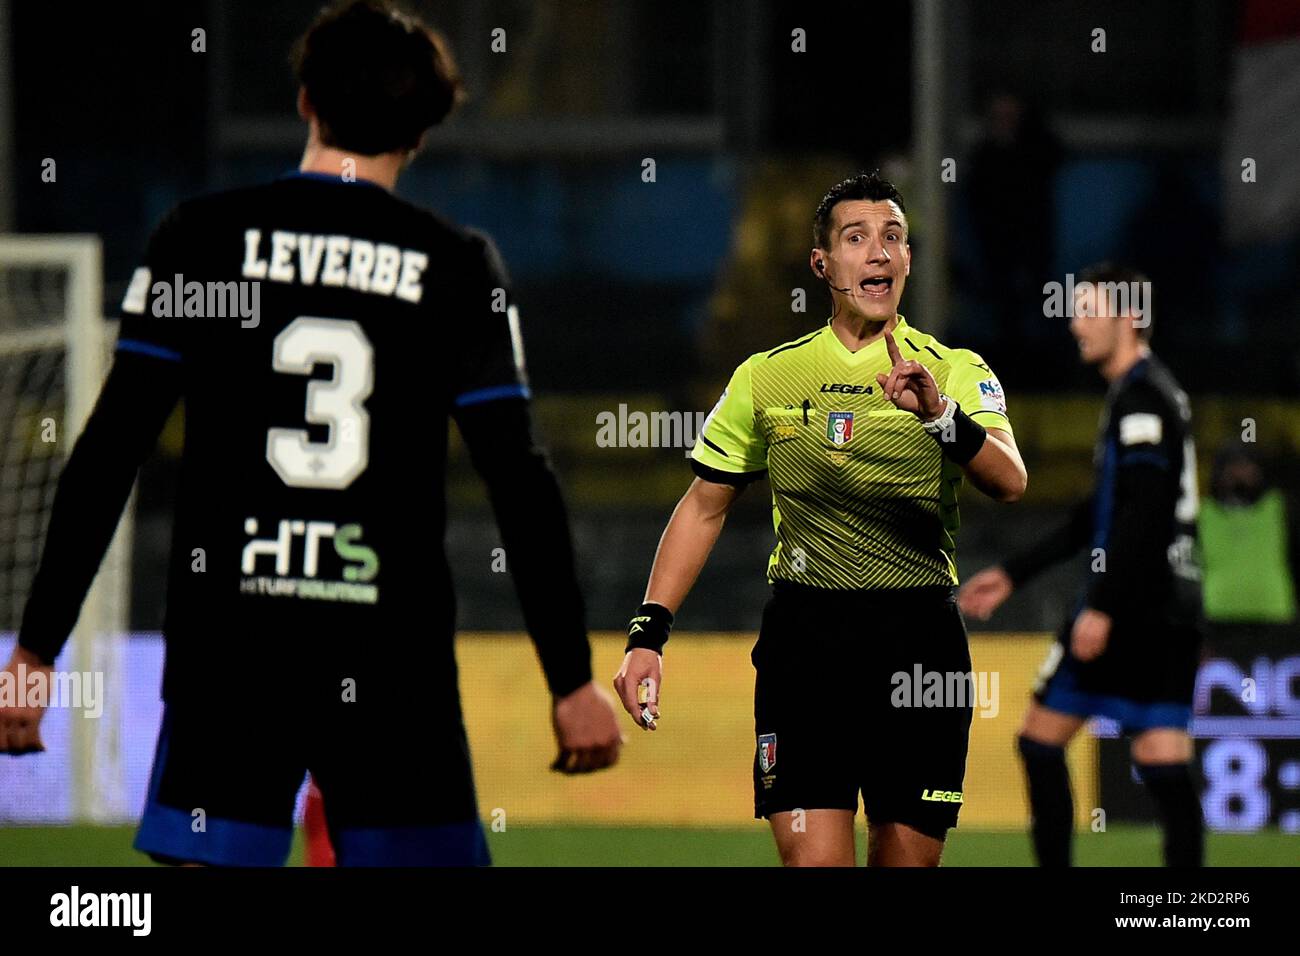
x: 1112, y: 272
x: 375, y: 77
x: 869, y: 186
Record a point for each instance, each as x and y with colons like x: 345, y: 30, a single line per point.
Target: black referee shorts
x: 838, y: 709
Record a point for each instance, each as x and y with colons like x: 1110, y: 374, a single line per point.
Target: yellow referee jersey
x: 862, y: 497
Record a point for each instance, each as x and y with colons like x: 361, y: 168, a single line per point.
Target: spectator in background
x: 1247, y: 551
x: 1011, y: 204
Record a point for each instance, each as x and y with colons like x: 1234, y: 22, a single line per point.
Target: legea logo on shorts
x: 975, y: 689
x: 942, y: 796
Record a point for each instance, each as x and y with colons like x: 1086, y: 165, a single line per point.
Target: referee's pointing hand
x: 909, y: 385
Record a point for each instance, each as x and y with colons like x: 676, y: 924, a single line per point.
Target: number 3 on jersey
x: 336, y: 462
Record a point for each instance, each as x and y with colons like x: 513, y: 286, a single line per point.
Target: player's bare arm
x: 685, y: 545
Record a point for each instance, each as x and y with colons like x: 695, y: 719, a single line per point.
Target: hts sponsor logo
x: 24, y: 687
x: 300, y: 541
x: 975, y: 689
x: 74, y: 908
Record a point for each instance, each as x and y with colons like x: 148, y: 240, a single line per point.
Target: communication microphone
x: 821, y: 267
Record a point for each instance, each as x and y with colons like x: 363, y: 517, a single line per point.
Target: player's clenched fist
x: 909, y: 385
x: 20, y: 727
x: 586, y: 728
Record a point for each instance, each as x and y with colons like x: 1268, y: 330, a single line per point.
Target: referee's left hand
x: 586, y: 728
x: 909, y: 385
x: 1090, y: 634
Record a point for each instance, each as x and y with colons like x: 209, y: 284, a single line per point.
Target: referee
x: 1130, y: 646
x: 865, y: 429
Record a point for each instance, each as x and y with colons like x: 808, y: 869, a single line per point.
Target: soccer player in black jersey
x: 1130, y: 645
x: 317, y: 631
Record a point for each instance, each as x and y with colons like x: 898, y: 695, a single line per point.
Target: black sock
x: 1180, y: 811
x: 1050, y: 803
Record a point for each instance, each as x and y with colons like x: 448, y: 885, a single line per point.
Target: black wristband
x: 962, y: 438
x: 649, y: 628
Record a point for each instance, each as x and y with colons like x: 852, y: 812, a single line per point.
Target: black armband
x: 649, y: 628
x: 959, y: 435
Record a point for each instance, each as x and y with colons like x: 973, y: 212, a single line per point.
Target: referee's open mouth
x: 878, y: 286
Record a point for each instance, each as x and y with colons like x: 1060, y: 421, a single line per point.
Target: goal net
x: 54, y: 354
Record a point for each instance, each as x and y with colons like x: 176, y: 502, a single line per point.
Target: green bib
x: 1244, y: 557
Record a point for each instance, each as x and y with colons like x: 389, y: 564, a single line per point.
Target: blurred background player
x: 316, y: 631
x: 865, y: 429
x: 1129, y: 649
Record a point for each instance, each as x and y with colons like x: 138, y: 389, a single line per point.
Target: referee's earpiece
x: 821, y: 270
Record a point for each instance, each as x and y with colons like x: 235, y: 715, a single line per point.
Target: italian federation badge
x: 766, y: 752
x: 839, y: 427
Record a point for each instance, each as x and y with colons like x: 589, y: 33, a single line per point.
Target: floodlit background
x: 1029, y: 138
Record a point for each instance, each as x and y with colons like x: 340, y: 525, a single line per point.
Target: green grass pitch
x: 650, y: 846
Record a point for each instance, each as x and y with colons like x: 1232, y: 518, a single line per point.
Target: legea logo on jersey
x: 359, y: 563
x: 839, y: 427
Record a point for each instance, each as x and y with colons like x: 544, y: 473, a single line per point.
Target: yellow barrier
x: 695, y: 769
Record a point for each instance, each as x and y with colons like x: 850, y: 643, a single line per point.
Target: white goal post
x: 55, y: 349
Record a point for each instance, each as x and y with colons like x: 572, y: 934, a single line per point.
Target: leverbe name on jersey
x: 332, y: 260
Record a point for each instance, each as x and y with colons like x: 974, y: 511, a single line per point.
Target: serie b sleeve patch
x: 1140, y: 428
x: 137, y: 293
x: 992, y: 398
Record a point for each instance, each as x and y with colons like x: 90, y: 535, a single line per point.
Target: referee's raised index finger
x: 895, y: 356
